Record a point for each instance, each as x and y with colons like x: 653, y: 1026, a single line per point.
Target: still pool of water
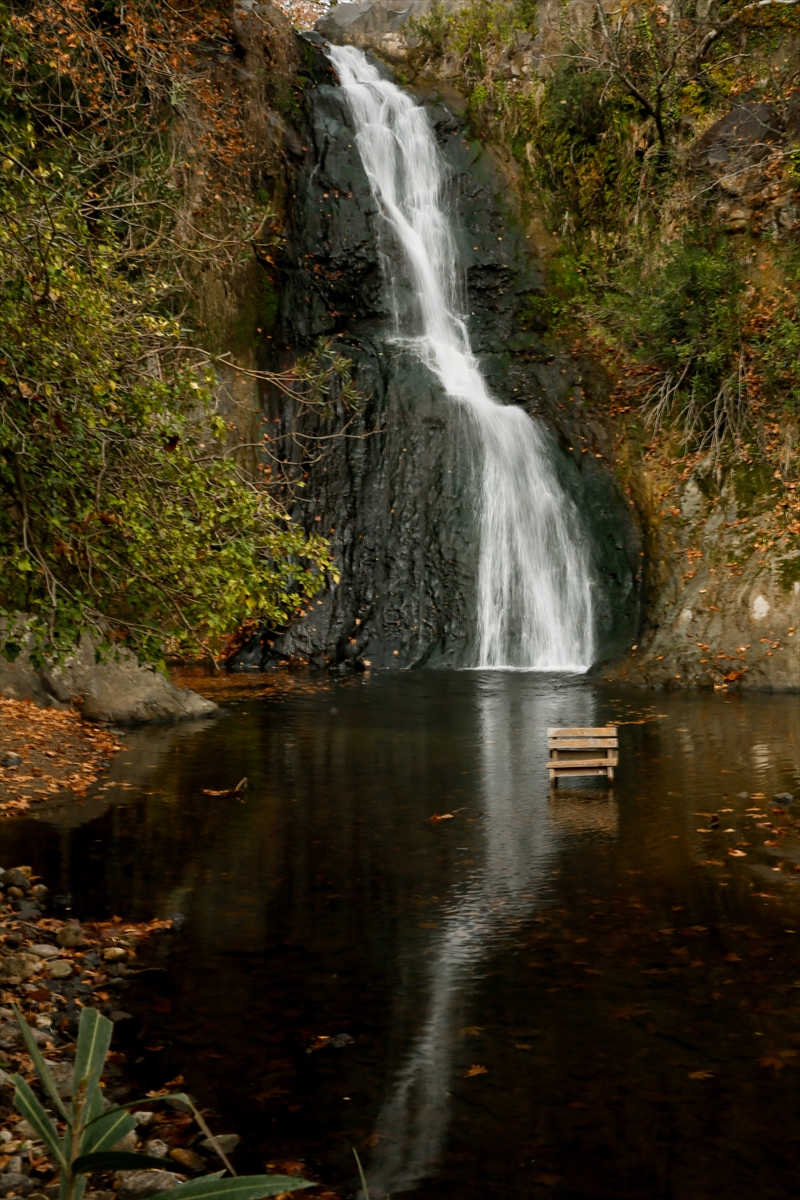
x: 572, y: 993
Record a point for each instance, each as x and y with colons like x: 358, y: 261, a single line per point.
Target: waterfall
x: 534, y: 577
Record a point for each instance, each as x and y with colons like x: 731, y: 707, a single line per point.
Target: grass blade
x: 364, y: 1187
x: 244, y: 1187
x: 201, y: 1122
x: 94, y: 1039
x: 39, y: 1063
x: 26, y: 1103
x: 105, y: 1131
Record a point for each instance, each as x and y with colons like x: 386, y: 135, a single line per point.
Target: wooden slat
x: 581, y: 743
x: 611, y: 761
x: 568, y: 731
x: 565, y: 772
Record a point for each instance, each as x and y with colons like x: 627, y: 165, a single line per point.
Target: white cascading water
x: 534, y: 576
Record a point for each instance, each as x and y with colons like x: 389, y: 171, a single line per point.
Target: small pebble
x: 18, y: 878
x: 16, y: 1183
x: 156, y: 1147
x: 70, y: 936
x: 188, y: 1159
x: 126, y: 1143
x: 227, y: 1142
x: 44, y: 951
x: 11, y: 760
x: 60, y: 969
x: 143, y: 1118
x: 115, y: 954
x: 141, y: 1184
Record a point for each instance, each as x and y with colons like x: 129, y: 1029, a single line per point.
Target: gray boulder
x: 119, y: 690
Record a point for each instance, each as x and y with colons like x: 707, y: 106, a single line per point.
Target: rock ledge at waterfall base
x: 119, y: 691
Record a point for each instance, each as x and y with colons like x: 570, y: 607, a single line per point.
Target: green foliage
x: 579, y: 145
x: 686, y: 308
x: 603, y: 126
x: 432, y: 28
x: 89, y: 1132
x: 779, y: 347
x: 121, y: 507
x: 684, y: 311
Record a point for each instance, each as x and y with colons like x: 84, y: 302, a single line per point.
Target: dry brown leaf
x: 475, y: 1069
x: 444, y: 817
x: 701, y: 1074
x: 737, y: 853
x: 235, y: 791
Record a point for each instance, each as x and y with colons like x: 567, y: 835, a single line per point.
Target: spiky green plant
x: 91, y: 1133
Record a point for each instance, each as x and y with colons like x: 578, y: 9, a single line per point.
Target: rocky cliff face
x: 396, y: 494
x: 720, y: 595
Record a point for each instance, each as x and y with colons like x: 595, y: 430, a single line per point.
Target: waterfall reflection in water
x: 520, y: 849
x: 534, y: 572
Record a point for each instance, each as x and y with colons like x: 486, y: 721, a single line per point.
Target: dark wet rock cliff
x: 396, y: 495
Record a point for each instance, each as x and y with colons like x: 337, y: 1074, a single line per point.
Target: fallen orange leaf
x: 701, y: 1074
x: 737, y: 853
x: 773, y: 1060
x: 475, y: 1069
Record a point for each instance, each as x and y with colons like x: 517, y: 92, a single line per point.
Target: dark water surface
x: 569, y: 994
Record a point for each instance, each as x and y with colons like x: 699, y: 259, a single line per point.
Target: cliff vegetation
x: 132, y: 185
x: 659, y: 144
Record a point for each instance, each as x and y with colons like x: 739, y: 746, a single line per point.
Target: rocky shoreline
x: 117, y: 690
x: 51, y: 967
x: 47, y: 753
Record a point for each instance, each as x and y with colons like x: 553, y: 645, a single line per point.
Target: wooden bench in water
x: 576, y: 752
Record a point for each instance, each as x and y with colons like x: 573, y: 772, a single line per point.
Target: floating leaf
x: 475, y: 1069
